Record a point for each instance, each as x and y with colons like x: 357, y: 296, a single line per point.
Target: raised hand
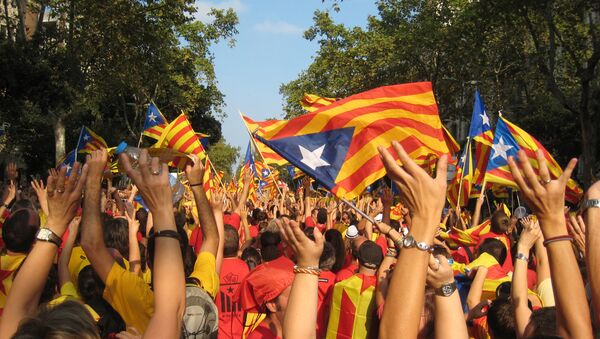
x: 11, y: 171
x: 41, y: 193
x: 307, y: 251
x: 195, y: 171
x: 439, y: 271
x: 423, y: 195
x: 530, y: 234
x: 546, y: 197
x: 217, y: 200
x: 576, y: 227
x: 10, y: 192
x: 64, y: 196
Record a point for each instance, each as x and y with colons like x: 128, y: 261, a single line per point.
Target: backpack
x: 201, y: 318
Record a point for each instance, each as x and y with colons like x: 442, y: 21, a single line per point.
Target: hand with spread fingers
x: 194, y: 171
x: 423, y: 195
x: 576, y: 227
x: 546, y: 197
x: 64, y: 196
x: 530, y: 234
x: 307, y: 251
x: 152, y: 181
x: 439, y: 271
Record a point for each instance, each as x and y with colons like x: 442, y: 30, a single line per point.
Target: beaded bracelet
x: 558, y: 238
x: 314, y: 270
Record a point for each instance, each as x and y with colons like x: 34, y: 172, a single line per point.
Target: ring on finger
x: 60, y: 190
x: 156, y: 171
x: 545, y: 181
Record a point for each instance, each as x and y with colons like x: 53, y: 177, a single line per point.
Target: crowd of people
x: 83, y: 258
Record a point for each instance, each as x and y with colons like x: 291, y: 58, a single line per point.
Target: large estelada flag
x: 353, y: 306
x: 155, y: 122
x: 89, y: 141
x: 481, y: 136
x: 508, y: 140
x: 337, y: 144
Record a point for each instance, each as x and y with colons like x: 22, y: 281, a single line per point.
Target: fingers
x: 51, y: 182
x: 391, y: 167
x: 124, y: 160
x: 72, y: 180
x: 543, y: 166
x: 144, y: 163
x: 60, y: 182
x: 564, y: 178
x: 442, y: 169
x: 516, y: 172
x: 530, y: 175
x: 319, y: 238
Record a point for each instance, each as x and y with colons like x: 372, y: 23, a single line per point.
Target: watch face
x: 447, y: 289
x: 44, y: 234
x: 408, y: 242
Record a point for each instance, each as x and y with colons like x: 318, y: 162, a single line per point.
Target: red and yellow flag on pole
x: 180, y: 136
x: 312, y: 102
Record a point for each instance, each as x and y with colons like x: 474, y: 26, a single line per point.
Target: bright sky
x: 269, y: 51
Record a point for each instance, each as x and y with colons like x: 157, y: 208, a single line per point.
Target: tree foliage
x: 534, y: 60
x: 224, y: 157
x: 99, y: 63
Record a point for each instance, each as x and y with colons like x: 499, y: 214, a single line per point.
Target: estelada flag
x: 181, y: 137
x: 155, y: 122
x: 462, y: 181
x: 89, y: 141
x: 353, y: 308
x: 508, y: 140
x: 337, y: 144
x: 9, y: 264
x: 481, y: 136
x: 269, y: 156
x: 312, y: 102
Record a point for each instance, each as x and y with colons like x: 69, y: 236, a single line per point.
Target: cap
x: 351, y: 232
x: 121, y: 147
x: 379, y: 217
x: 370, y: 254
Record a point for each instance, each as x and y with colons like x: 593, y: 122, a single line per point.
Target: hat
x: 379, y: 217
x: 370, y: 254
x: 351, y: 232
x: 265, y: 283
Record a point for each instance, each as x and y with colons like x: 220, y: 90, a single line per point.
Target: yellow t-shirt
x: 205, y: 270
x: 129, y: 295
x: 69, y: 292
x: 8, y: 266
x: 77, y: 262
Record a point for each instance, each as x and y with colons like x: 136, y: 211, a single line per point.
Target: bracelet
x: 166, y: 234
x: 391, y: 252
x: 314, y: 270
x: 522, y: 256
x: 398, y: 241
x: 194, y: 185
x: 558, y: 238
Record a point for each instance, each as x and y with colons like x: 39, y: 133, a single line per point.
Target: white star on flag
x: 152, y: 117
x: 484, y: 118
x: 312, y: 159
x: 500, y: 149
x: 86, y: 137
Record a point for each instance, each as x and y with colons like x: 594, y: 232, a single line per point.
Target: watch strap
x: 591, y: 203
x: 51, y: 236
x: 522, y: 256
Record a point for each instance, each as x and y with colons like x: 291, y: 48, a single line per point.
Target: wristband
x: 523, y: 257
x: 558, y: 238
x: 194, y: 185
x: 313, y: 270
x: 166, y: 234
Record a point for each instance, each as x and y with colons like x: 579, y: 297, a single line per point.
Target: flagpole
x: 363, y: 214
x: 77, y: 147
x: 215, y: 171
x: 259, y: 152
x: 462, y: 174
x: 483, y: 191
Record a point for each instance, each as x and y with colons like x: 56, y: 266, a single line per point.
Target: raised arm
x: 152, y: 181
x: 449, y: 318
x: 531, y: 233
x: 546, y: 197
x: 92, y: 236
x: 9, y: 194
x: 217, y: 202
x: 63, y: 261
x: 476, y: 290
x: 425, y: 197
x: 42, y: 195
x: 477, y: 212
x: 208, y: 224
x: 245, y: 190
x: 135, y: 258
x: 301, y: 313
x: 64, y: 195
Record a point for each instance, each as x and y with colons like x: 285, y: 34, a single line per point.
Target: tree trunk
x: 8, y: 24
x: 588, y: 147
x: 59, y: 139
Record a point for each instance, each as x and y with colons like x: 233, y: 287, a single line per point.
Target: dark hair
x: 499, y: 222
x: 501, y: 320
x: 543, y: 321
x: 258, y: 215
x: 327, y: 259
x: 23, y: 203
x: 495, y: 248
x: 270, y: 253
x: 334, y: 237
x: 252, y: 257
x: 91, y: 288
x: 19, y: 230
x: 67, y: 320
x: 322, y: 216
x: 180, y: 219
x: 141, y: 215
x: 116, y: 235
x: 187, y: 252
x: 269, y: 239
x: 232, y: 242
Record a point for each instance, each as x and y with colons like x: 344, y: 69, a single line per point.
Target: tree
x: 223, y: 157
x: 99, y: 64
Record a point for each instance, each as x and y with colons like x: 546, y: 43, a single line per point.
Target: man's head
x: 370, y: 255
x: 314, y: 212
x: 327, y: 259
x: 322, y: 216
x: 501, y: 320
x: 116, y: 235
x: 495, y: 248
x: 19, y: 230
x: 500, y: 223
x: 542, y: 323
x: 355, y: 244
x: 232, y: 242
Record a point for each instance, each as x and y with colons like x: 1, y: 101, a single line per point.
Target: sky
x: 269, y: 51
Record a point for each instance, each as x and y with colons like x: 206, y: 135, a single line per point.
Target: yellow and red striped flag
x: 337, y: 144
x: 312, y: 102
x: 268, y: 154
x: 508, y: 140
x: 89, y: 141
x: 155, y: 122
x: 180, y: 136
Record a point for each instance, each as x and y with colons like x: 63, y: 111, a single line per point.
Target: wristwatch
x: 522, y: 256
x: 45, y: 234
x: 446, y: 290
x: 593, y: 203
x: 410, y: 242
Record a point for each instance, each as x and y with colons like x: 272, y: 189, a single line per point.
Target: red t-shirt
x: 262, y: 332
x: 196, y: 239
x: 231, y: 315
x: 346, y: 272
x: 232, y: 219
x: 309, y: 222
x: 326, y: 282
x: 253, y: 231
x: 382, y: 242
